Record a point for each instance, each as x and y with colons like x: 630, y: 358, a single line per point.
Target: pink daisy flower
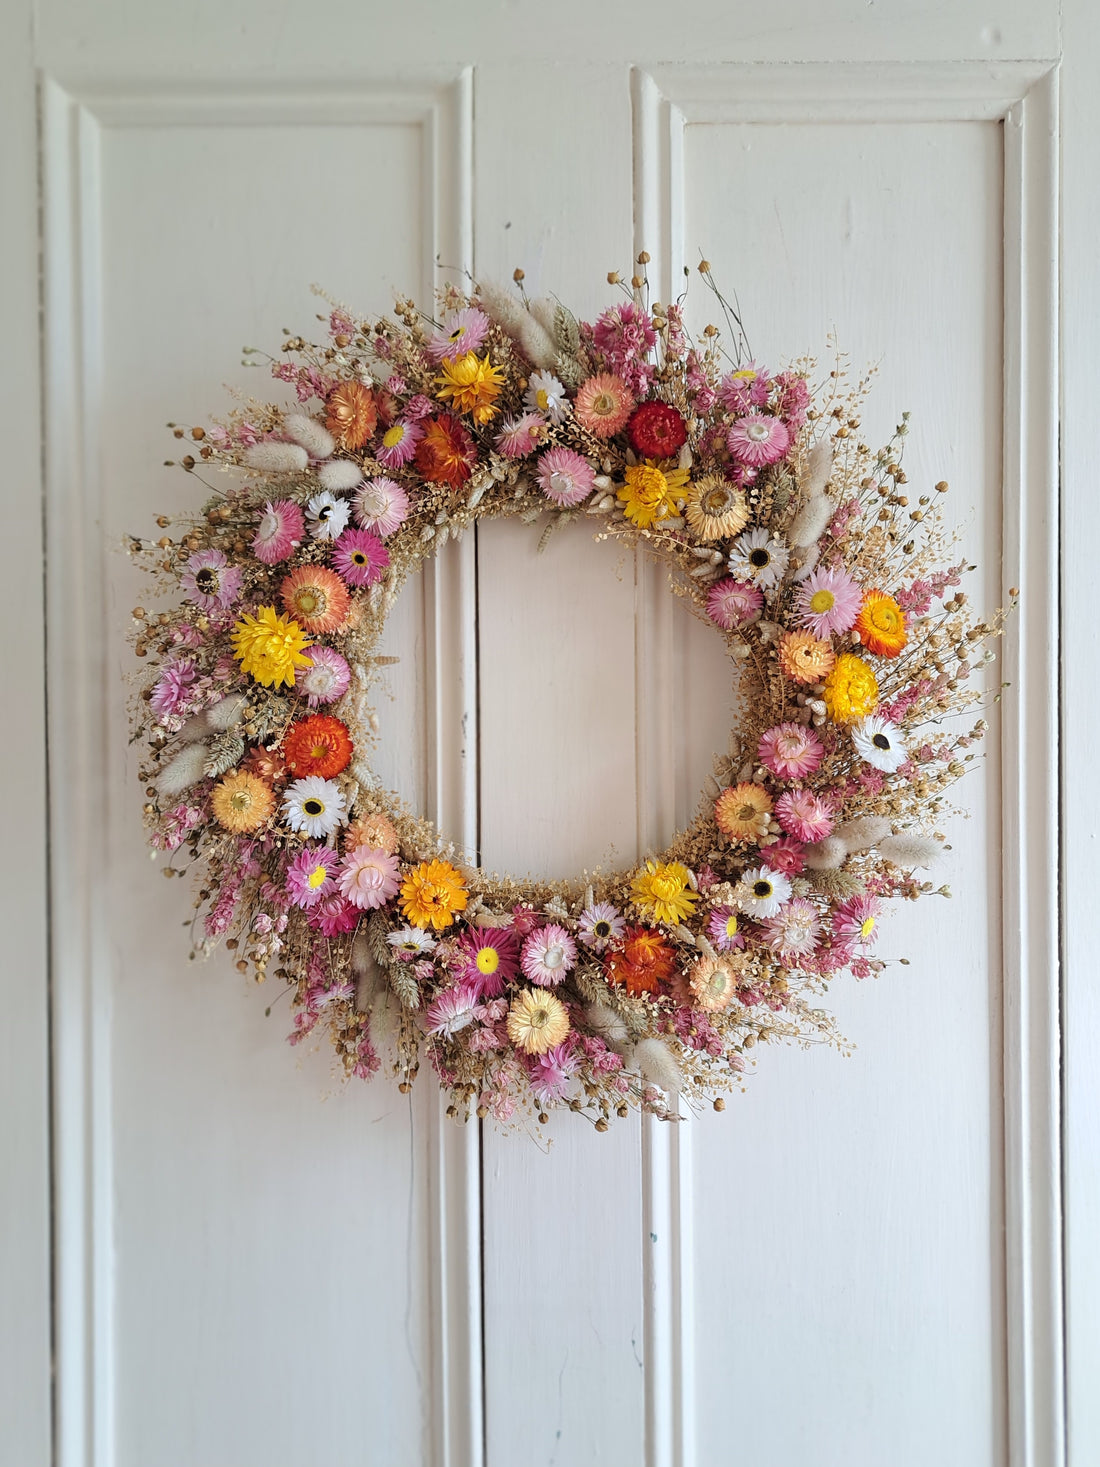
x: 786, y: 855
x: 360, y: 557
x: 334, y: 915
x: 856, y: 921
x: 462, y: 331
x: 565, y: 477
x: 399, y: 444
x: 210, y: 581
x: 603, y: 404
x: 368, y: 878
x: 828, y: 602
x: 794, y: 931
x: 548, y: 954
x: 520, y: 436
x: 326, y: 679
x: 758, y: 439
x: 550, y: 1074
x: 309, y: 876
x: 451, y: 1011
x: 486, y: 958
x: 280, y: 531
x: 722, y: 930
x: 791, y: 750
x: 173, y: 688
x: 731, y: 603
x: 381, y: 505
x: 802, y: 814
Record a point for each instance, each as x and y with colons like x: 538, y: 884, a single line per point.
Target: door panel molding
x: 73, y: 120
x: 1023, y: 97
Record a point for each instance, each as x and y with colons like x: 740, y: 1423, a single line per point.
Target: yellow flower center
x: 316, y: 877
x: 744, y: 374
x: 822, y: 601
x: 488, y: 960
x: 542, y: 398
x: 393, y: 436
x: 731, y: 925
x: 866, y: 927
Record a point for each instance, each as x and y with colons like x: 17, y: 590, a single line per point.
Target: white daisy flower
x: 758, y: 559
x: 546, y: 395
x: 327, y: 516
x: 761, y: 892
x: 879, y: 743
x: 314, y: 805
x: 411, y: 942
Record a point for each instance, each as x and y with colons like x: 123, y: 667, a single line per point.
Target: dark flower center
x: 759, y: 558
x: 762, y: 888
x: 880, y: 741
x: 313, y: 807
x: 207, y: 580
x: 602, y: 929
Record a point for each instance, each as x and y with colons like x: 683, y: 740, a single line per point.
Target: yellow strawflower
x: 651, y: 494
x: 663, y: 893
x: 269, y: 647
x: 851, y: 690
x: 471, y: 384
x: 432, y: 893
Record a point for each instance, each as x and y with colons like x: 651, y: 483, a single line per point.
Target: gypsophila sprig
x: 837, y: 600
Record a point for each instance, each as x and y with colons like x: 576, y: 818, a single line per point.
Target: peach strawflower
x: 373, y: 829
x: 351, y: 414
x: 742, y: 811
x: 804, y: 657
x: 316, y: 598
x: 241, y: 802
x: 537, y: 1021
x: 603, y: 404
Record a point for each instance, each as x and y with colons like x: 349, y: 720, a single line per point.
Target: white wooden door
x: 858, y: 1262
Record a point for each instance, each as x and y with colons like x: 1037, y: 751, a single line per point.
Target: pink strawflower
x: 360, y: 557
x: 828, y: 602
x: 625, y: 335
x: 856, y: 921
x: 565, y: 477
x: 309, y: 877
x: 802, y: 814
x: 173, y: 688
x: 758, y: 439
x: 785, y: 854
x: 368, y: 878
x: 462, y: 331
x: 548, y: 954
x: 210, y: 581
x: 791, y: 750
x: 722, y: 926
x: 745, y: 388
x: 381, y: 505
x: 399, y: 444
x: 520, y: 436
x: 326, y: 679
x: 550, y: 1073
x: 793, y: 931
x: 334, y: 915
x: 417, y: 407
x: 732, y: 603
x: 487, y: 958
x: 280, y: 531
x: 451, y: 1011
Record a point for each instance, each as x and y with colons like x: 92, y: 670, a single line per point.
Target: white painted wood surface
x: 860, y: 1260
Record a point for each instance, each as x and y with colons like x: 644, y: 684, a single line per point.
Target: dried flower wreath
x: 776, y: 524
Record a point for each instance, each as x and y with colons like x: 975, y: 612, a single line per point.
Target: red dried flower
x: 319, y: 744
x: 656, y: 430
x: 445, y: 455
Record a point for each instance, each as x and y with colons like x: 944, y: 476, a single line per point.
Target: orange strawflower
x: 432, y: 893
x: 241, y: 802
x: 445, y: 454
x: 319, y: 744
x: 881, y: 624
x: 643, y: 961
x: 471, y: 384
x: 742, y: 811
x: 351, y: 414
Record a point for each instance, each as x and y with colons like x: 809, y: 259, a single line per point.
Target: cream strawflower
x: 314, y: 805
